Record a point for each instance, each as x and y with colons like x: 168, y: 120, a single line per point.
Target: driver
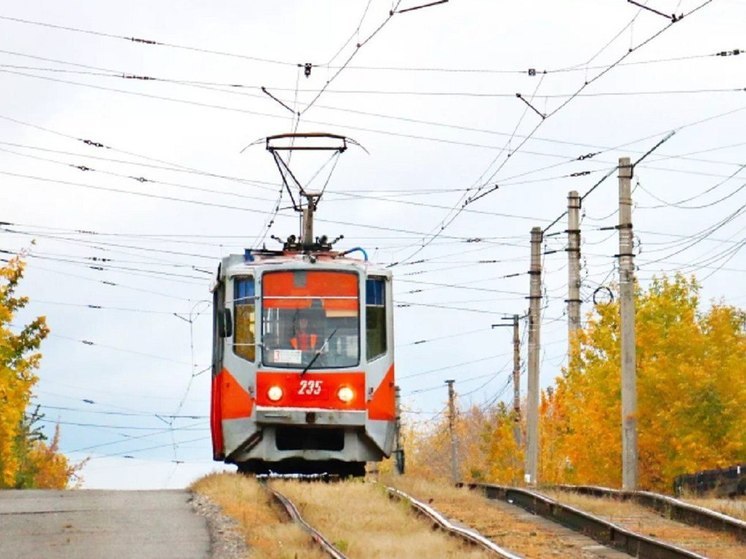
x: 303, y: 339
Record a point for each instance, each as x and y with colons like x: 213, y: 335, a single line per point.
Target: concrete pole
x: 452, y: 430
x: 516, y: 382
x: 573, y: 269
x: 534, y: 345
x: 516, y: 376
x: 627, y: 304
x: 399, y: 451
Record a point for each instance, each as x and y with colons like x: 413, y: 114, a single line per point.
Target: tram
x: 303, y: 359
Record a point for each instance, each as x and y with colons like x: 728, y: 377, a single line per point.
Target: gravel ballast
x: 226, y: 541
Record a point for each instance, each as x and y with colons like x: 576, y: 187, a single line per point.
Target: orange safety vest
x: 304, y: 341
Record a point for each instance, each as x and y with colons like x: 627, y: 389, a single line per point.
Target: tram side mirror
x: 225, y: 323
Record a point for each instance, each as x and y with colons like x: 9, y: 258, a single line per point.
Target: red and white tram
x: 303, y: 362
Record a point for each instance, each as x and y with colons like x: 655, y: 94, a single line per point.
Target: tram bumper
x: 309, y: 434
x: 309, y: 416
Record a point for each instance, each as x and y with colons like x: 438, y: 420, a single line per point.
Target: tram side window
x: 375, y: 312
x: 244, y: 309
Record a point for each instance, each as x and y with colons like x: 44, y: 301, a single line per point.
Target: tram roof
x: 253, y: 259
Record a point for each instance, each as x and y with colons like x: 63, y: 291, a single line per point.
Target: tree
x: 504, y: 456
x: 691, y: 401
x: 428, y: 446
x: 25, y: 458
x: 40, y: 464
x: 691, y: 392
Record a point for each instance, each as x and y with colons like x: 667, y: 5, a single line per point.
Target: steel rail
x: 670, y: 508
x: 600, y: 530
x: 317, y: 536
x: 471, y: 536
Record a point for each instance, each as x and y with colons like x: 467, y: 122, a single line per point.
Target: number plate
x: 309, y: 387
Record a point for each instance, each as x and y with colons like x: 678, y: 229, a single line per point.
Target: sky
x: 132, y: 160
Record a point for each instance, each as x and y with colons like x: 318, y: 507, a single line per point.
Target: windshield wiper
x: 318, y: 352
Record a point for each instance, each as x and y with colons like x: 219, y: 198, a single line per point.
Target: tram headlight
x: 346, y: 394
x: 274, y: 393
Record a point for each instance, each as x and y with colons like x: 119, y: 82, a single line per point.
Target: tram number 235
x: 310, y: 387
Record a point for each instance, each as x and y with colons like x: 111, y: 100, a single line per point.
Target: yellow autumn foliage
x: 486, y: 447
x: 691, y: 386
x: 48, y: 468
x: 691, y: 402
x: 25, y: 459
x: 426, y: 447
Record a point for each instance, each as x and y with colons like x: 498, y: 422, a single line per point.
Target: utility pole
x: 516, y: 382
x: 534, y: 344
x: 516, y: 376
x: 452, y: 431
x: 573, y: 269
x: 399, y: 451
x: 627, y: 307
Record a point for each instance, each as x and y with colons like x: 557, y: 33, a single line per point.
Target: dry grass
x: 504, y: 524
x: 732, y: 507
x: 647, y: 522
x: 266, y: 530
x: 363, y: 522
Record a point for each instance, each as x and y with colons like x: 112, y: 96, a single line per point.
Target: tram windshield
x: 310, y: 318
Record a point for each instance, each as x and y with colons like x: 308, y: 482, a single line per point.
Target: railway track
x: 466, y: 534
x: 454, y: 529
x: 668, y: 507
x: 617, y: 530
x: 513, y: 531
x: 321, y: 541
x: 355, y: 519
